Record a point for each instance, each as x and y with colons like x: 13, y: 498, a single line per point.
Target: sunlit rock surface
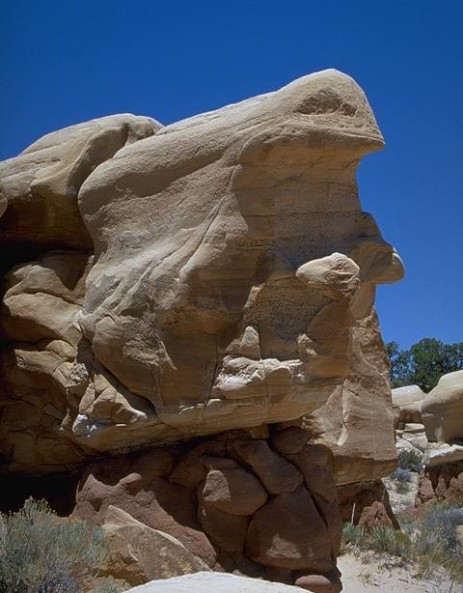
x: 205, y: 292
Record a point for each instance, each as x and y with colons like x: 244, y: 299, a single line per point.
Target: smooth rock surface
x: 289, y: 533
x: 39, y: 187
x: 406, y: 403
x: 172, y: 339
x: 442, y: 409
x: 233, y: 491
x: 208, y: 344
x: 213, y: 583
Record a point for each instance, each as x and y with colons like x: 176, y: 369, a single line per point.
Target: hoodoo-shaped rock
x: 234, y: 273
x: 207, y: 286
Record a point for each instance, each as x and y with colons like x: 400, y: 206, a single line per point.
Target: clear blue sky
x: 67, y: 62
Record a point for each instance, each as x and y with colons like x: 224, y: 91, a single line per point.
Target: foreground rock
x: 171, y: 338
x: 212, y: 583
x: 226, y: 502
x: 208, y: 287
x: 138, y: 554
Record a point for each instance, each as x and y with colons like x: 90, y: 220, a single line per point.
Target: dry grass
x: 429, y: 546
x: 40, y: 553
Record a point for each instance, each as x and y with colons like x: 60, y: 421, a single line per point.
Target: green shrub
x: 40, y: 553
x: 402, y: 487
x: 437, y: 543
x: 381, y: 539
x: 410, y: 459
x: 430, y: 543
x: 402, y: 475
x: 390, y: 541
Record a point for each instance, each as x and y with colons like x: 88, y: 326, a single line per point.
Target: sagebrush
x: 41, y: 553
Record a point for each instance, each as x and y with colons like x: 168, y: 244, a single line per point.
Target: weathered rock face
x: 443, y: 481
x: 39, y: 187
x: 42, y: 298
x: 355, y: 498
x: 442, y: 410
x: 213, y: 276
x: 234, y: 502
x: 233, y: 279
x: 132, y: 546
x: 208, y: 343
x: 356, y: 422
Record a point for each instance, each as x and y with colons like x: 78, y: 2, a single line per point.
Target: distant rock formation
x: 442, y: 409
x: 406, y: 404
x: 169, y: 284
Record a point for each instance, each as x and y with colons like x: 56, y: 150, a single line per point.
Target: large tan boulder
x: 215, y: 300
x: 406, y: 404
x: 442, y: 410
x: 138, y: 554
x: 173, y: 338
x: 209, y: 344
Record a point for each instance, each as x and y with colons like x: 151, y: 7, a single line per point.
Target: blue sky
x: 67, y: 62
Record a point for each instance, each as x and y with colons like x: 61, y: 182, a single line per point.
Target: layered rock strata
x: 168, y: 284
x: 231, y: 281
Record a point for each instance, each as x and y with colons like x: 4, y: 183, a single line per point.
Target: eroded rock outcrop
x: 42, y: 298
x: 442, y: 409
x: 212, y: 277
x: 406, y: 403
x: 132, y: 546
x: 235, y: 502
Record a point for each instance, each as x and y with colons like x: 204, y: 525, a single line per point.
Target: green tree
x: 424, y: 363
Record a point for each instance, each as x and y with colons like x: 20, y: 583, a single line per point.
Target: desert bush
x: 437, y: 543
x: 410, y: 459
x: 41, y: 553
x: 390, y: 541
x: 381, y: 539
x: 402, y: 478
x: 402, y: 475
x: 430, y: 544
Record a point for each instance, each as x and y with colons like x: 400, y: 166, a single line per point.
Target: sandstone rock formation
x: 39, y: 188
x: 443, y: 481
x: 43, y: 297
x: 356, y: 497
x: 172, y: 338
x: 132, y: 546
x: 413, y: 433
x: 209, y: 287
x: 406, y: 404
x: 442, y: 409
x: 263, y: 507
